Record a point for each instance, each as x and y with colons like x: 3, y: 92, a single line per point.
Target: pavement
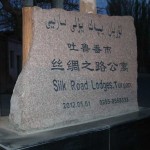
x: 124, y: 132
x: 143, y: 95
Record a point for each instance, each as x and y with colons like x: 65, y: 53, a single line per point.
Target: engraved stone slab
x: 81, y: 67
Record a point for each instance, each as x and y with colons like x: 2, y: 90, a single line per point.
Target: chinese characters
x: 84, y: 47
x: 76, y: 65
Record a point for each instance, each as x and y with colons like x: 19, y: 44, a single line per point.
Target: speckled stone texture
x: 81, y: 68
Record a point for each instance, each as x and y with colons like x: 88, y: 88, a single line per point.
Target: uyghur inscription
x: 114, y: 31
x: 81, y: 67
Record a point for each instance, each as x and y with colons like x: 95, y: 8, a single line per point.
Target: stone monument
x: 80, y: 68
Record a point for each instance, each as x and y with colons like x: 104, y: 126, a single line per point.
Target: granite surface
x: 80, y: 68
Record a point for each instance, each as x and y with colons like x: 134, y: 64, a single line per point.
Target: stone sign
x: 81, y: 68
